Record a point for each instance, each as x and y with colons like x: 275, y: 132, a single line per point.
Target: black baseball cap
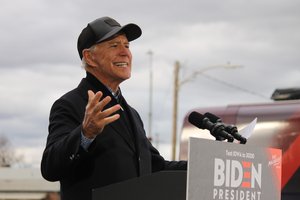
x: 102, y: 29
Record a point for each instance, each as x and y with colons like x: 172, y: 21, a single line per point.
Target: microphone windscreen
x: 213, y: 118
x: 196, y: 119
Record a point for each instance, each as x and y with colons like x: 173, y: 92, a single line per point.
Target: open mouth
x: 121, y: 64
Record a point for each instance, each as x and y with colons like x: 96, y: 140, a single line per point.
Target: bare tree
x: 7, y: 154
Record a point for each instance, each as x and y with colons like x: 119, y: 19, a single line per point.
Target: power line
x: 234, y: 86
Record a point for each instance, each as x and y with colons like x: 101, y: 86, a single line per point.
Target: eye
x: 114, y: 45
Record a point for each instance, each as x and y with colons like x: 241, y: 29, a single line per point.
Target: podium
x: 157, y: 186
x: 216, y: 171
x: 229, y: 171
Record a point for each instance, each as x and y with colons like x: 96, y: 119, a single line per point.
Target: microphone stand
x: 217, y: 128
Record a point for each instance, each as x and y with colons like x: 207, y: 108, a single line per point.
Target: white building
x: 26, y: 184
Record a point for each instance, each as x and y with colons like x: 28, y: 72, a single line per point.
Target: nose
x: 124, y: 50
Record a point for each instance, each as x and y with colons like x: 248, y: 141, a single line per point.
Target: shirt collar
x: 117, y: 95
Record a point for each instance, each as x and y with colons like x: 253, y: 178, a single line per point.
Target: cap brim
x: 132, y: 32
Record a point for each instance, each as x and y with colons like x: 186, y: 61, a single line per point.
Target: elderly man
x: 96, y: 138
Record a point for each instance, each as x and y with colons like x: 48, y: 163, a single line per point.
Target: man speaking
x: 96, y: 138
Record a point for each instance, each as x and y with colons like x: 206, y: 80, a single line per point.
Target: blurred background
x: 225, y: 52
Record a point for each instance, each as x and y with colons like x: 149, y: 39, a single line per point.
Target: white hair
x: 84, y: 64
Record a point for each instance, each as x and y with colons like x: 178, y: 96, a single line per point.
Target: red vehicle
x: 278, y: 126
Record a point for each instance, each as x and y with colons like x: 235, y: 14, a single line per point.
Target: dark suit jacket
x: 117, y: 154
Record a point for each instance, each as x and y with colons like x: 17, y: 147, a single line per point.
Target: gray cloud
x: 39, y: 60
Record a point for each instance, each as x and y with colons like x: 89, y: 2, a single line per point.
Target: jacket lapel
x: 119, y: 128
x: 142, y: 143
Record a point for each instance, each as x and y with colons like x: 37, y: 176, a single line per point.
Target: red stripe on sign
x: 246, y: 164
x: 247, y: 175
x: 246, y: 184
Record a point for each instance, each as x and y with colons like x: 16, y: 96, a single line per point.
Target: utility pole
x: 175, y: 107
x: 150, y: 53
x: 177, y: 84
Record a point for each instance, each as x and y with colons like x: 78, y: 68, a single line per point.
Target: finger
x: 91, y: 95
x: 109, y: 111
x: 110, y: 116
x: 100, y: 105
x: 93, y: 98
x: 94, y: 126
x: 111, y: 119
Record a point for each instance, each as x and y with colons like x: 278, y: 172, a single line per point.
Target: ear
x: 88, y: 57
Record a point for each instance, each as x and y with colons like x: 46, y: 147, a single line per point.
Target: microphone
x: 231, y: 129
x: 216, y: 129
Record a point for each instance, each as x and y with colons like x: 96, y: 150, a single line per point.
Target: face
x: 111, y: 61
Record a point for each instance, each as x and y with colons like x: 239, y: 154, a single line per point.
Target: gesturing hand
x: 95, y: 118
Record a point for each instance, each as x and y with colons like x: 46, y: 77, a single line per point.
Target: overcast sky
x: 39, y: 61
